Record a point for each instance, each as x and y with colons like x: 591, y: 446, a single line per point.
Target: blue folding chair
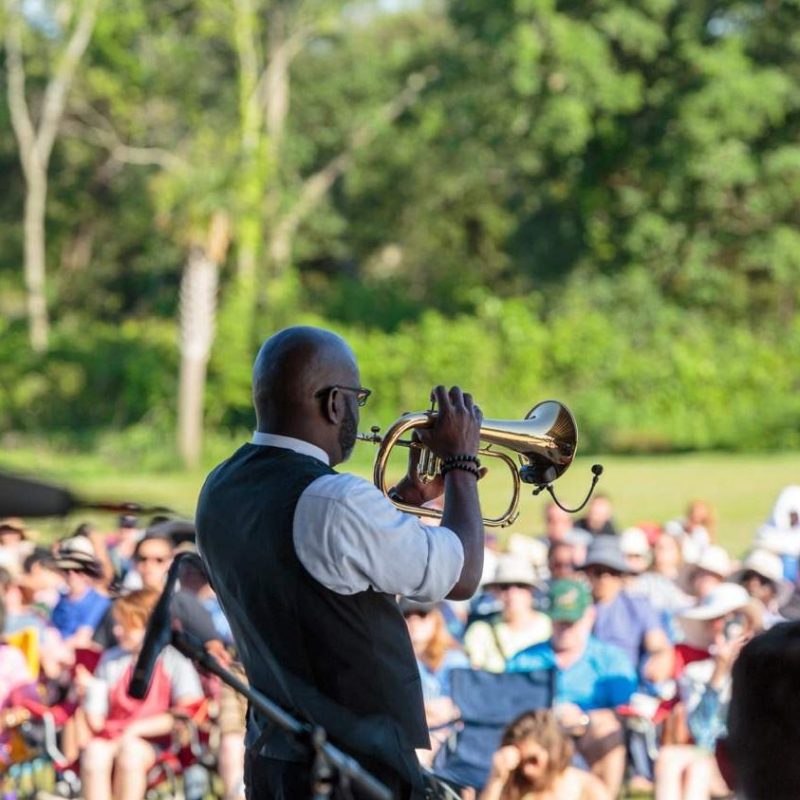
x: 487, y: 702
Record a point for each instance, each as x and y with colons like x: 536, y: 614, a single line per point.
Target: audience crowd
x: 641, y: 628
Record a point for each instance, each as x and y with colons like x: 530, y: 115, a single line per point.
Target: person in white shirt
x: 307, y: 562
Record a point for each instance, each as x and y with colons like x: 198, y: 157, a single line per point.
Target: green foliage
x: 598, y: 202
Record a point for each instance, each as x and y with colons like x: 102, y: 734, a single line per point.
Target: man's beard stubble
x: 347, y: 433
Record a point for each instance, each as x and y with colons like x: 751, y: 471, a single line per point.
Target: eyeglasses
x: 360, y: 393
x: 153, y: 559
x: 420, y: 614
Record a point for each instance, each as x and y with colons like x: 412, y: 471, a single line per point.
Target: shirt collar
x: 290, y: 443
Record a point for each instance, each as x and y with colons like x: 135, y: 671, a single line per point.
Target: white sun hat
x: 724, y: 599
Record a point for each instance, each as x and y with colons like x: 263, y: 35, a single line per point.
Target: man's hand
x: 456, y: 429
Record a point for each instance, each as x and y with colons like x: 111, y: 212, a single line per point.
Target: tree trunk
x: 197, y: 311
x: 35, y: 202
x: 190, y: 410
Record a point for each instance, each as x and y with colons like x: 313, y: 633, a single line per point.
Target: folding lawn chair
x: 487, y: 702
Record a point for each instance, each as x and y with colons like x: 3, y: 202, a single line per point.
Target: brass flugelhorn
x: 544, y: 442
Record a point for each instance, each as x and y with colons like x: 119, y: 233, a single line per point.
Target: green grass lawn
x: 742, y: 488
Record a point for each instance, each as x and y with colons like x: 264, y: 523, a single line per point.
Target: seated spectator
x: 127, y: 731
x: 534, y: 763
x: 790, y: 608
x: 659, y: 584
x: 531, y: 549
x: 81, y: 607
x: 16, y: 682
x: 121, y: 545
x: 437, y: 654
x: 599, y: 517
x: 762, y: 576
x: 561, y: 561
x: 42, y: 580
x: 763, y: 735
x: 21, y: 615
x: 194, y: 582
x: 690, y: 770
x: 490, y: 643
x: 622, y: 619
x: 781, y: 533
x: 636, y: 549
x: 152, y: 558
x: 559, y: 527
x: 14, y: 543
x: 592, y: 679
x: 709, y: 571
x: 696, y: 531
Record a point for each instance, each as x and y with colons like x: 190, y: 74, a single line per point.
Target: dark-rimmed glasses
x: 360, y: 393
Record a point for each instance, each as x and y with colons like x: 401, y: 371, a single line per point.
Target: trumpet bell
x: 546, y: 440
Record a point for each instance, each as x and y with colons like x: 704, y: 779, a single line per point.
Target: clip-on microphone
x: 597, y: 471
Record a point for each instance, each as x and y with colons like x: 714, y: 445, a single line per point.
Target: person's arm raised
x: 456, y: 432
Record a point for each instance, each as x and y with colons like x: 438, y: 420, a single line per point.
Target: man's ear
x: 333, y: 408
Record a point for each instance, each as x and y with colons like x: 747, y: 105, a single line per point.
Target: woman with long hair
x: 534, y: 763
x: 437, y: 653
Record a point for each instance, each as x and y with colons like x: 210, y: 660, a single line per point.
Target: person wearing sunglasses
x: 307, y: 562
x: 81, y: 606
x: 152, y: 558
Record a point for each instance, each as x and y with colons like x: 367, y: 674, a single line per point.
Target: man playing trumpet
x: 307, y: 562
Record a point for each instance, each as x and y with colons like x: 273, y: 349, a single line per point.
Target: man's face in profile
x: 348, y: 429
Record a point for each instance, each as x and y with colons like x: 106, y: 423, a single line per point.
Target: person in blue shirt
x: 592, y: 679
x: 79, y: 611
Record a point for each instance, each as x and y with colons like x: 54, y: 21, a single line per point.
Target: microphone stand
x: 328, y: 761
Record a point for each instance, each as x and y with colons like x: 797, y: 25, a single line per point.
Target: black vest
x: 345, y: 661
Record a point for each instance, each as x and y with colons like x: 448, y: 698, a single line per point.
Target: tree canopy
x: 598, y: 201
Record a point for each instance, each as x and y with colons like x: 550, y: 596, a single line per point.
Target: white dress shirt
x: 350, y: 537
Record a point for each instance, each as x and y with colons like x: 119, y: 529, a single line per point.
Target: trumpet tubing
x: 544, y: 443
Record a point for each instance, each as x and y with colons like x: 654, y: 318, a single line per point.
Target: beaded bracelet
x: 463, y: 457
x: 471, y: 468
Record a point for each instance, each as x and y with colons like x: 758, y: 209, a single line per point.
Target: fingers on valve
x: 440, y: 396
x: 457, y: 397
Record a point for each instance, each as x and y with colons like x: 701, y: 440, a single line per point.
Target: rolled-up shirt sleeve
x: 351, y: 538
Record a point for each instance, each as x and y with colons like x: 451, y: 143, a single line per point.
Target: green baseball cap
x: 569, y: 599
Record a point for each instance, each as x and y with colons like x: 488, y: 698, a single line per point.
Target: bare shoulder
x: 589, y: 786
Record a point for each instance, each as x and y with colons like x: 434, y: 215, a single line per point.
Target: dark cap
x: 128, y: 521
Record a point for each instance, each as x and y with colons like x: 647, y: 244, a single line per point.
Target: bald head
x: 291, y: 368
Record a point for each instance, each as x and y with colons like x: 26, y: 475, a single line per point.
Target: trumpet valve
x: 429, y: 466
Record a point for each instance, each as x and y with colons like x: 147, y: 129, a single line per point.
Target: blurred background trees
x: 598, y: 202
